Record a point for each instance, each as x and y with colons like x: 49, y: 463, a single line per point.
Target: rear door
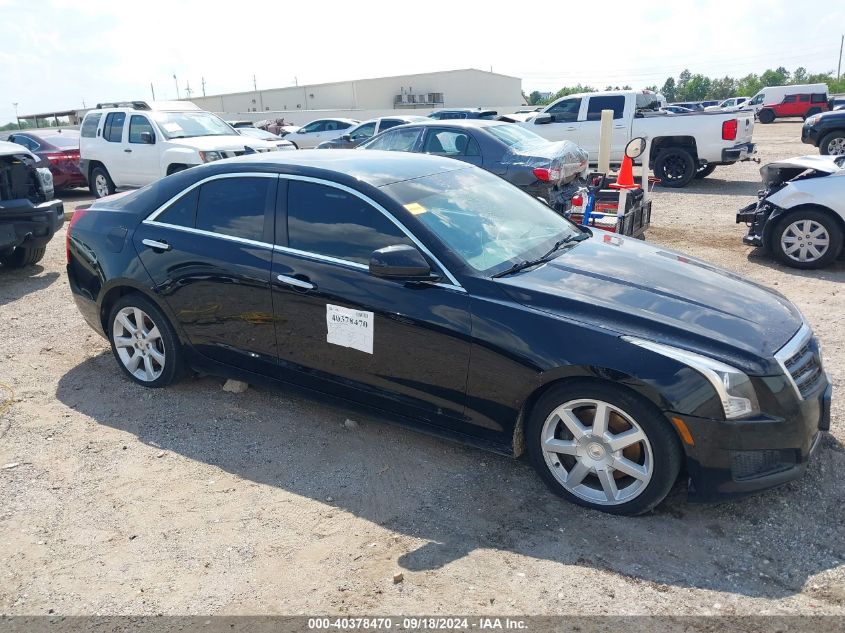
x: 452, y: 143
x: 114, y: 154
x: 589, y: 125
x: 209, y: 255
x: 404, y: 345
x: 143, y: 157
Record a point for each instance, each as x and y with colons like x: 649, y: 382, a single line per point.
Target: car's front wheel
x: 603, y: 447
x: 766, y: 116
x: 143, y: 342
x: 833, y: 143
x: 807, y: 238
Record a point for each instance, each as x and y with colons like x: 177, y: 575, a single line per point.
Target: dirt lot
x: 194, y: 500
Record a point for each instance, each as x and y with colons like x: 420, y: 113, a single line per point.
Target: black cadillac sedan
x: 447, y: 298
x: 539, y: 167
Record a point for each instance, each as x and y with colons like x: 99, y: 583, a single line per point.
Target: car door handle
x: 618, y: 127
x: 296, y: 283
x: 128, y: 151
x: 156, y: 245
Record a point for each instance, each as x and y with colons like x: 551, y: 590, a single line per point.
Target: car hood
x: 13, y: 149
x: 227, y: 142
x: 644, y: 290
x: 783, y: 170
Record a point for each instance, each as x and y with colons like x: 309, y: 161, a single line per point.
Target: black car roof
x: 477, y: 123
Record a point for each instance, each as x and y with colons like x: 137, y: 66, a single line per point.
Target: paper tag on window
x: 349, y: 328
x: 416, y: 208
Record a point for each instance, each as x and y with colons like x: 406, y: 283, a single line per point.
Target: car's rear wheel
x: 807, y: 239
x: 811, y: 112
x: 705, y: 171
x: 603, y: 447
x: 101, y: 183
x: 675, y: 167
x: 143, y: 342
x: 766, y: 116
x: 21, y: 256
x: 833, y: 143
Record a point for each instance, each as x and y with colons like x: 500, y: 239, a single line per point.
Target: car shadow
x: 834, y: 272
x: 16, y: 283
x: 713, y: 185
x: 459, y: 499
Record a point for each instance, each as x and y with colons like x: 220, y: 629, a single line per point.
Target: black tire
x: 766, y: 116
x: 174, y: 365
x: 665, y: 446
x: 21, y: 256
x: 175, y: 169
x: 833, y: 143
x: 675, y: 167
x: 811, y: 112
x: 809, y: 214
x: 703, y: 172
x: 295, y: 146
x: 106, y: 187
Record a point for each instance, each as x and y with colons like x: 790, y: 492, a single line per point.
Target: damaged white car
x: 799, y: 216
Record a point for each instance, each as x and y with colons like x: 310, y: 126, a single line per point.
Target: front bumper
x: 810, y: 135
x: 25, y: 224
x: 735, y: 458
x: 743, y: 151
x: 755, y: 215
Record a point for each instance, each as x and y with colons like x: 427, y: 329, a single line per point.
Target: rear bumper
x: 25, y: 224
x: 732, y: 459
x: 743, y: 151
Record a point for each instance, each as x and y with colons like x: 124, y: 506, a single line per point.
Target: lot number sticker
x: 349, y: 328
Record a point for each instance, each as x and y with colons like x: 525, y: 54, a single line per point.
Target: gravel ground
x: 119, y: 500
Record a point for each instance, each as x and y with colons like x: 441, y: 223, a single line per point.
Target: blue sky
x: 57, y: 54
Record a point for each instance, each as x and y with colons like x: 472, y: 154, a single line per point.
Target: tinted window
x: 331, y: 222
x: 90, y: 124
x: 804, y: 98
x: 448, y: 143
x: 26, y: 142
x: 234, y: 206
x: 316, y: 126
x: 138, y: 125
x: 113, y: 129
x: 386, y: 124
x: 818, y: 98
x: 565, y: 111
x: 789, y: 99
x: 342, y: 126
x: 363, y: 131
x: 597, y: 104
x: 67, y: 140
x: 183, y: 211
x: 402, y: 140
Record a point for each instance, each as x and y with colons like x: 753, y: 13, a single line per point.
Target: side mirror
x: 346, y: 137
x: 399, y: 262
x: 543, y: 118
x: 147, y: 137
x: 635, y: 147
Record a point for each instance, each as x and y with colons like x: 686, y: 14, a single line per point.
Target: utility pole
x: 839, y: 67
x: 153, y: 90
x: 203, y: 86
x: 295, y: 81
x: 176, y: 81
x: 188, y: 90
x: 16, y: 114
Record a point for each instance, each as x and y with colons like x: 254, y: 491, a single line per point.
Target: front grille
x: 802, y: 363
x: 752, y: 464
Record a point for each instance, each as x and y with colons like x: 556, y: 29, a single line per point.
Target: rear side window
x: 402, y: 140
x: 818, y: 98
x: 331, y: 222
x: 90, y: 125
x: 597, y: 104
x: 804, y: 98
x: 448, y: 143
x: 183, y: 211
x: 234, y: 206
x: 386, y: 124
x: 113, y: 128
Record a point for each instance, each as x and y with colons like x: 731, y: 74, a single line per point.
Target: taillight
x: 542, y: 173
x: 577, y: 200
x: 77, y: 214
x: 72, y: 155
x: 729, y: 129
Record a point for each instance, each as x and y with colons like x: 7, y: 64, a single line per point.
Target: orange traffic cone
x: 625, y: 178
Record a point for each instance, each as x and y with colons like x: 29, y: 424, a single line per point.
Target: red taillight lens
x: 542, y: 173
x: 57, y: 157
x: 77, y: 215
x: 729, y: 129
x: 577, y: 200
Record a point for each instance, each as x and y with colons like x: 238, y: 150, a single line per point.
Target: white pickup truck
x: 683, y: 146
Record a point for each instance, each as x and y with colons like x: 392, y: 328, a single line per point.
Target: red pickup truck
x: 803, y: 105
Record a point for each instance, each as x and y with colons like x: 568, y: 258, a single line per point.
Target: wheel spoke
x: 134, y: 362
x: 817, y: 232
x: 124, y: 341
x: 625, y: 465
x: 148, y: 368
x: 608, y: 484
x: 153, y: 335
x: 561, y: 447
x: 126, y: 323
x: 571, y: 421
x: 139, y: 318
x: 814, y: 252
x: 625, y: 439
x: 577, y: 474
x: 601, y: 419
x: 157, y: 356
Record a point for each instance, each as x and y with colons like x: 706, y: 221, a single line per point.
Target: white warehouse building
x: 365, y: 98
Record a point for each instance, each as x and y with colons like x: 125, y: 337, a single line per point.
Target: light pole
x: 16, y: 114
x: 176, y: 81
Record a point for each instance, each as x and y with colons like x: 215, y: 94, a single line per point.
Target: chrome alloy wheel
x: 805, y: 241
x: 138, y: 343
x: 836, y: 147
x: 101, y: 185
x: 597, y: 452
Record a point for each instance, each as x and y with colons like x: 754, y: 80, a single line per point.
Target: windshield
x: 191, y: 124
x: 489, y: 223
x: 513, y: 135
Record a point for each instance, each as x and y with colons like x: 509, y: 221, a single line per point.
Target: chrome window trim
x: 151, y: 219
x: 789, y: 350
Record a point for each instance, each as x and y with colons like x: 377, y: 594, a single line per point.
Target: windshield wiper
x: 528, y: 263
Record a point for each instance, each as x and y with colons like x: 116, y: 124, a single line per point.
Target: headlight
x: 812, y: 120
x: 734, y: 388
x: 208, y: 157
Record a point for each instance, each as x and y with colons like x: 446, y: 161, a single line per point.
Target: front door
x: 209, y: 255
x: 142, y: 166
x: 395, y: 345
x: 564, y: 124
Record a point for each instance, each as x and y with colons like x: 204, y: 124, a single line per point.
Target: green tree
x: 668, y: 89
x: 534, y: 98
x: 800, y: 75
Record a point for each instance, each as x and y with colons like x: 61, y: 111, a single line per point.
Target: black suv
x: 826, y: 131
x: 29, y: 217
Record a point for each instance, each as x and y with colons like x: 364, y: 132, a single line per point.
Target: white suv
x: 131, y: 144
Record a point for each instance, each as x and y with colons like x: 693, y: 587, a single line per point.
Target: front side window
x: 804, y: 98
x: 758, y: 99
x: 596, y: 104
x: 331, y: 222
x: 403, y: 140
x: 790, y: 99
x: 486, y: 221
x: 363, y: 131
x: 314, y: 126
x: 234, y: 206
x: 113, y: 128
x: 565, y: 111
x: 90, y: 125
x: 137, y: 126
